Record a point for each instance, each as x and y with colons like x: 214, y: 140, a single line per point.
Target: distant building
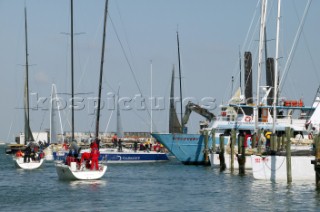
x: 38, y: 136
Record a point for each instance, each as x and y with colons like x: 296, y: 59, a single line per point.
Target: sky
x: 141, y: 41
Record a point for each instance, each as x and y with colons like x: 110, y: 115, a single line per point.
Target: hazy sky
x: 212, y: 32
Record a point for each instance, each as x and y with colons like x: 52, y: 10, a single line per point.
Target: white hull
x: 215, y: 161
x: 31, y: 165
x: 66, y: 172
x: 274, y: 168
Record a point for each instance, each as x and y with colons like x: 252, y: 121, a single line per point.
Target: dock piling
x: 213, y: 135
x: 242, y: 156
x: 206, y: 150
x: 288, y: 151
x: 221, y: 154
x: 233, y: 139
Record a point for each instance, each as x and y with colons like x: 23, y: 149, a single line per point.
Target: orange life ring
x: 247, y: 119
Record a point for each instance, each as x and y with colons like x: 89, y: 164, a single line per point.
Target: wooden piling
x: 239, y: 143
x: 278, y: 143
x: 288, y: 151
x: 233, y: 139
x: 213, y: 135
x: 242, y: 156
x: 221, y: 154
x: 258, y: 137
x: 283, y: 143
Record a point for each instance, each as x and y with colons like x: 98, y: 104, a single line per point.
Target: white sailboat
x: 274, y: 167
x: 75, y: 170
x: 55, y: 118
x: 22, y: 162
x: 33, y: 164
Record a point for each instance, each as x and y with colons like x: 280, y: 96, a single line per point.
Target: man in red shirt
x: 94, y: 159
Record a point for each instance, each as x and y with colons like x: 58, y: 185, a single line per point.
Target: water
x: 149, y: 187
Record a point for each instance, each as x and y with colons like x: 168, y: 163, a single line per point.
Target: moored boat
x: 274, y: 167
x: 187, y: 148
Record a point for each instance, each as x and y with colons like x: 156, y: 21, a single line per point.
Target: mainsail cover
x: 174, y: 124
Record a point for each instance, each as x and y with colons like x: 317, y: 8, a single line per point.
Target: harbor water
x: 168, y: 186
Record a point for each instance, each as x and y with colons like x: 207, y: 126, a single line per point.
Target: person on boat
x: 157, y: 147
x: 162, y: 148
x: 69, y: 159
x: 94, y: 159
x: 135, y: 146
x: 94, y: 145
x: 268, y: 137
x: 247, y: 139
x: 86, y: 156
x: 19, y: 153
x: 27, y: 154
x: 65, y: 145
x: 120, y: 145
x: 146, y: 145
x: 41, y: 155
x: 142, y: 147
x: 114, y: 140
x: 262, y: 138
x: 41, y: 146
x: 75, y: 148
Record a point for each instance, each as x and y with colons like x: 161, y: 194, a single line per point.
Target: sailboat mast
x: 101, y: 68
x: 151, y: 129
x: 182, y: 125
x: 240, y: 70
x: 72, y: 88
x: 275, y: 90
x: 261, y: 43
x: 27, y: 124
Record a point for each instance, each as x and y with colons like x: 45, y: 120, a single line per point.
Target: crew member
x: 114, y: 140
x: 94, y: 145
x: 120, y: 145
x: 268, y: 137
x: 94, y: 159
x: 27, y: 154
x: 85, y: 157
x: 19, y: 153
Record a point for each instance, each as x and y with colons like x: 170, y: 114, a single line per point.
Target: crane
x: 198, y: 109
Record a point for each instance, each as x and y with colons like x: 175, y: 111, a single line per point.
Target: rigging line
x: 246, y: 41
x: 127, y: 60
x: 250, y: 26
x: 125, y: 55
x: 10, y: 128
x: 125, y: 33
x: 312, y: 60
x: 107, y: 126
x: 292, y: 51
x: 309, y: 52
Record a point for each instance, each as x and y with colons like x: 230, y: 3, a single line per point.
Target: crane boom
x: 198, y: 109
